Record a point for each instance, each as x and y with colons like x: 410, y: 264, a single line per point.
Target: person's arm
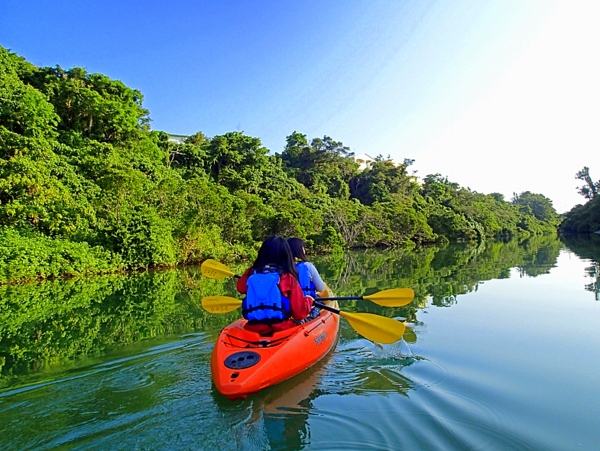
x: 299, y: 304
x: 315, y: 276
x: 242, y: 282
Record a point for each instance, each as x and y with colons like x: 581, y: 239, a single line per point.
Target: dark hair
x: 275, y: 251
x: 297, y: 247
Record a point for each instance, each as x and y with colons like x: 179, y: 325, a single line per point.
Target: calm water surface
x: 501, y: 354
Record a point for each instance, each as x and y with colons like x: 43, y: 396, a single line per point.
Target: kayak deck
x: 244, y: 362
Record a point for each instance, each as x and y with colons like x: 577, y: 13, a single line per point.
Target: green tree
x: 324, y: 166
x: 81, y: 173
x: 539, y: 205
x: 590, y: 189
x: 582, y: 218
x: 91, y: 105
x: 381, y: 180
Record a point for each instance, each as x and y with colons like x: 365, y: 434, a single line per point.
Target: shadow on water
x: 279, y: 417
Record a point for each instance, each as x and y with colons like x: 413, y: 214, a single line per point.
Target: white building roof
x: 364, y: 161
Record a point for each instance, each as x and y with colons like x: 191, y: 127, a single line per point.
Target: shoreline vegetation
x: 584, y: 219
x: 86, y: 188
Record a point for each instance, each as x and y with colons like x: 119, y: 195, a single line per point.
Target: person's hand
x: 312, y: 300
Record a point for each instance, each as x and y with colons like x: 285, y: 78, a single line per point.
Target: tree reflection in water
x: 62, y: 320
x: 588, y: 247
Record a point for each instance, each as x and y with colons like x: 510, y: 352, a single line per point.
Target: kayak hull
x: 244, y: 362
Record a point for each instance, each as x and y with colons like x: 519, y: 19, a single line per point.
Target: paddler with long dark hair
x: 274, y: 299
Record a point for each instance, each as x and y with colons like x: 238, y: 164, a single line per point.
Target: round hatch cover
x: 241, y: 360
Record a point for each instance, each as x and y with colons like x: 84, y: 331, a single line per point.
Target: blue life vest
x: 264, y: 301
x: 306, y: 283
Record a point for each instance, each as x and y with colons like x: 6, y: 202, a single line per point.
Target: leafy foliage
x: 30, y: 256
x: 590, y: 189
x: 380, y: 181
x: 89, y: 188
x: 323, y: 166
x: 584, y: 218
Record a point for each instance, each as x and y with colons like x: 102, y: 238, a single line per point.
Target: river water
x: 501, y: 353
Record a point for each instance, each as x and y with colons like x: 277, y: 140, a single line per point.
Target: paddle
x: 220, y: 304
x: 380, y: 329
x: 373, y: 327
x: 215, y: 270
x: 395, y: 297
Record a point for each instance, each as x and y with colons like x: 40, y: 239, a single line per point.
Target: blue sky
x: 497, y: 95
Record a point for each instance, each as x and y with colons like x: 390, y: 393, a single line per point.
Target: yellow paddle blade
x: 396, y: 297
x: 215, y: 270
x: 374, y: 327
x: 220, y: 304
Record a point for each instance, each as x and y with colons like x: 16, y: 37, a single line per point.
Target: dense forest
x: 86, y: 187
x: 584, y: 218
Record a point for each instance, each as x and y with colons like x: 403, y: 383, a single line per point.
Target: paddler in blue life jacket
x: 274, y: 300
x: 308, y: 276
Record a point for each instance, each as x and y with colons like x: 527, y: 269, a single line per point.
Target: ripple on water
x: 459, y: 420
x: 355, y: 429
x: 101, y: 406
x: 454, y: 409
x: 199, y: 341
x: 437, y: 421
x: 362, y: 396
x: 362, y: 366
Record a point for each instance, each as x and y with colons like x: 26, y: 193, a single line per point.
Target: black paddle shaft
x: 342, y: 298
x: 326, y: 307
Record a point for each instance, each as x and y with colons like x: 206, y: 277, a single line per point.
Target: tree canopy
x: 584, y: 218
x: 87, y: 187
x: 590, y: 189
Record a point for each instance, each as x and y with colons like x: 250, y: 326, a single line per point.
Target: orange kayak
x: 244, y: 362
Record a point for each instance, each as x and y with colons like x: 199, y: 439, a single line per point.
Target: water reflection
x: 56, y: 325
x: 284, y: 411
x: 122, y: 362
x: 588, y: 247
x: 51, y: 325
x: 280, y: 417
x: 277, y: 417
x: 437, y: 274
x: 594, y: 272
